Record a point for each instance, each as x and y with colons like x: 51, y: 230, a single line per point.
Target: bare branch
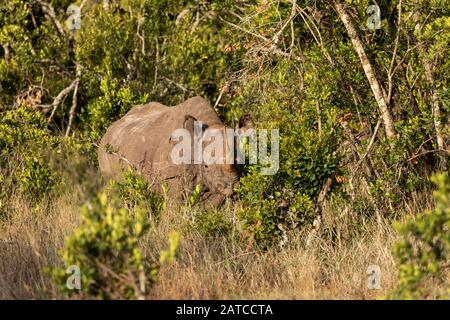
x: 72, y: 108
x: 317, y: 38
x: 50, y: 13
x: 317, y: 223
x: 394, y: 54
x: 371, y: 142
x: 380, y: 97
x: 57, y: 101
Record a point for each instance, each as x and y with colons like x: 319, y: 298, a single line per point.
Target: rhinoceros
x: 144, y: 139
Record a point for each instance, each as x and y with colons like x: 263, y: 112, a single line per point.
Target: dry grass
x: 223, y: 269
x: 334, y: 267
x: 31, y: 238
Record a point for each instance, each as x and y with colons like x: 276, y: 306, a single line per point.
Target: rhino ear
x: 189, y: 124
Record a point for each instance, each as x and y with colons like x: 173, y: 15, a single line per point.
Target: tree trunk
x: 435, y: 101
x: 436, y: 110
x: 368, y: 70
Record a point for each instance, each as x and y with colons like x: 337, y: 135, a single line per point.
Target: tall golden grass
x: 334, y: 266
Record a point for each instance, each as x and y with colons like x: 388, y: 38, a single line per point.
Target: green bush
x: 134, y: 191
x: 34, y: 47
x: 25, y: 149
x: 168, y: 256
x: 212, y: 224
x: 401, y: 168
x: 424, y: 252
x: 195, y: 195
x: 37, y: 162
x: 105, y: 250
x: 286, y: 200
x: 113, y: 103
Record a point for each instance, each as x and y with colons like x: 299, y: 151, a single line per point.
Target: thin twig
x: 225, y: 87
x: 72, y: 108
x: 176, y: 84
x: 371, y: 142
x: 121, y: 157
x: 394, y: 54
x: 59, y: 98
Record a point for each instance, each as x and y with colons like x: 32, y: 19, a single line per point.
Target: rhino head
x: 217, y: 173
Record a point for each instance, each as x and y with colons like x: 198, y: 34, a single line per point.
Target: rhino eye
x: 206, y: 166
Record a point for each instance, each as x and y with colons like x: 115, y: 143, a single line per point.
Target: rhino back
x: 142, y: 138
x: 200, y: 109
x: 137, y: 138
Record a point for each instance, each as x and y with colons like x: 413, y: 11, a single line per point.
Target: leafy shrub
x: 114, y: 102
x: 105, y: 249
x: 25, y: 147
x: 195, y: 195
x: 278, y: 204
x: 37, y: 178
x: 401, y: 168
x: 424, y: 252
x: 169, y: 255
x: 39, y: 163
x: 285, y: 201
x: 196, y: 54
x: 134, y: 191
x: 212, y: 224
x: 31, y: 39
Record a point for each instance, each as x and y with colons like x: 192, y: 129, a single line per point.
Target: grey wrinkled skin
x: 142, y: 139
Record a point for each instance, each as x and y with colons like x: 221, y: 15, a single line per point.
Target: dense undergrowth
x: 290, y: 65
